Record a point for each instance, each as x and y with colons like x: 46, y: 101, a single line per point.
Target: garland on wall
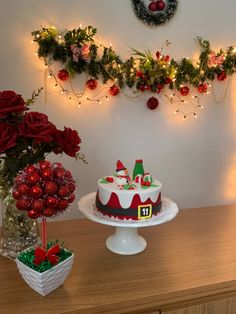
x: 76, y: 52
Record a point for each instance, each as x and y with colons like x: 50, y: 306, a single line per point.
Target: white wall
x: 195, y: 159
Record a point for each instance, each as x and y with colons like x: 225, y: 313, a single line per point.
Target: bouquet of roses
x: 27, y: 136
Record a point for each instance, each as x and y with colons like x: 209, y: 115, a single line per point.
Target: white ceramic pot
x: 46, y: 282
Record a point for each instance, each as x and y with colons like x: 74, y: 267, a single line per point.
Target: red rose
x: 11, y: 103
x: 68, y: 142
x: 8, y: 136
x: 37, y: 127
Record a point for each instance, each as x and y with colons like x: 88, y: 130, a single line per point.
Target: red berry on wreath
x: 142, y: 87
x: 160, y: 5
x: 221, y: 76
x: 139, y: 74
x: 91, y: 84
x: 152, y: 103
x: 63, y: 75
x: 50, y: 187
x: 158, y: 55
x: 184, y: 90
x: 153, y: 6
x: 166, y: 58
x: 114, y: 90
x: 168, y: 80
x: 202, y: 88
x: 36, y: 191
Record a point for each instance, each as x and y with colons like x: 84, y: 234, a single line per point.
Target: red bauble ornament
x: 48, y: 212
x: 63, y: 204
x: 71, y: 198
x: 43, y: 164
x: 63, y: 191
x: 152, y: 103
x: 38, y: 205
x: 221, y: 76
x: 50, y: 187
x: 68, y: 174
x: 46, y: 173
x: 160, y: 5
x: 52, y: 202
x: 33, y: 178
x: 23, y: 204
x: 114, y: 90
x: 30, y: 169
x: 184, y: 91
x: 63, y: 75
x: 153, y: 6
x: 59, y: 173
x: 16, y: 194
x: 202, y: 88
x: 36, y: 191
x: 33, y: 214
x: 71, y: 187
x: 23, y: 188
x: 91, y: 84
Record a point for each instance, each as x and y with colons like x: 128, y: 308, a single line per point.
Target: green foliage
x: 142, y: 70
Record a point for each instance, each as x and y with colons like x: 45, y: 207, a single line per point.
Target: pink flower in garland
x: 215, y: 60
x: 80, y: 53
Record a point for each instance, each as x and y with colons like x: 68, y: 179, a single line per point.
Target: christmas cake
x: 122, y: 197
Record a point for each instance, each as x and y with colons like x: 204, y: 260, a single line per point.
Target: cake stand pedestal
x: 126, y: 240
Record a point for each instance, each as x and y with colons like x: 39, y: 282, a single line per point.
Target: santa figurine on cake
x: 122, y: 173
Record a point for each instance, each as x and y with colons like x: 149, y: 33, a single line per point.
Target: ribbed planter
x: 46, y: 282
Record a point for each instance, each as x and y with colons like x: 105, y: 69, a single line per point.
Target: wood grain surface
x: 190, y: 260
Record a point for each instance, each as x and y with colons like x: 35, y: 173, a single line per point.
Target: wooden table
x: 189, y: 266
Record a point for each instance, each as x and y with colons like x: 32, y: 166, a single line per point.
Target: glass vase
x: 18, y: 230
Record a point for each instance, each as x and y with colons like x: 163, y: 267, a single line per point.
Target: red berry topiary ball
x: 43, y: 189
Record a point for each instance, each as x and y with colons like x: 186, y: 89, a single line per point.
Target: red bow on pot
x: 41, y: 255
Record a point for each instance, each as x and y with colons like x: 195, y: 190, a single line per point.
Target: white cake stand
x: 126, y: 240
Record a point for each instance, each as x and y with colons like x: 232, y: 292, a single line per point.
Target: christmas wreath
x: 154, y: 12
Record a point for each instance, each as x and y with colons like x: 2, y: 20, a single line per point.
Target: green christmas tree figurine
x: 138, y: 168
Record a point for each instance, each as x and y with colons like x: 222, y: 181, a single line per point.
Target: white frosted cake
x: 121, y: 197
